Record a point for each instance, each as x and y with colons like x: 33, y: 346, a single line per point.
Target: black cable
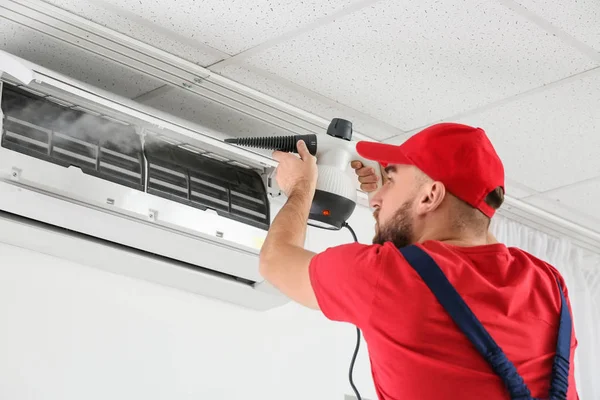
x: 352, y: 364
x: 345, y: 225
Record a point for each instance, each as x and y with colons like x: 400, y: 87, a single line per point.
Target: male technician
x: 447, y: 312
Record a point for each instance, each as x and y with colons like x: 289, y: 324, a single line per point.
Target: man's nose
x: 375, y: 201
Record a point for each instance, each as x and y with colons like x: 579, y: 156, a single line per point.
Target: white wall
x: 71, y: 332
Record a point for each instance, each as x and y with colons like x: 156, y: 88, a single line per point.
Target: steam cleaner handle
x: 368, y: 163
x: 377, y: 168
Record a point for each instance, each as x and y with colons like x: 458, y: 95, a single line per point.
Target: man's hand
x: 296, y: 175
x: 366, y: 176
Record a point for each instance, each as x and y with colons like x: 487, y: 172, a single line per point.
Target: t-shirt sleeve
x: 344, y: 279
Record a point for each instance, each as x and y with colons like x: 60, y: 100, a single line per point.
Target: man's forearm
x: 284, y: 262
x: 289, y: 225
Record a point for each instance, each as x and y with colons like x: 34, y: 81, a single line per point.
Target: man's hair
x: 465, y: 216
x: 468, y: 217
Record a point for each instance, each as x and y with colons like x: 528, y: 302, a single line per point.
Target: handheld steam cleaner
x: 335, y: 196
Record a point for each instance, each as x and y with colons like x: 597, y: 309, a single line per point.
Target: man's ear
x: 432, y: 195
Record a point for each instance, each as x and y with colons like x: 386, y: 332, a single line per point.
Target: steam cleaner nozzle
x: 281, y: 143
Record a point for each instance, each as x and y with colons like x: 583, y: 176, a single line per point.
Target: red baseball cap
x: 460, y: 156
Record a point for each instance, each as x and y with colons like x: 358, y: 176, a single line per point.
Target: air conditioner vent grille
x: 206, y: 183
x: 209, y: 192
x: 41, y: 128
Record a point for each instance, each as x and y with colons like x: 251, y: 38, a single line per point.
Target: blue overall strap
x: 468, y: 323
x: 560, y: 370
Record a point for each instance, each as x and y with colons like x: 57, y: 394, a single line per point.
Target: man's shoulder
x: 518, y: 254
x: 525, y: 256
x: 452, y: 257
x: 550, y: 269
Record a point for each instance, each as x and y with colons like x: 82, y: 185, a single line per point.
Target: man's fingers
x: 356, y: 164
x: 278, y: 155
x: 303, y: 150
x: 368, y: 187
x: 368, y: 179
x: 365, y: 171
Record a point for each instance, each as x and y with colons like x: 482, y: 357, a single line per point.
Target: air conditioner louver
x: 65, y: 136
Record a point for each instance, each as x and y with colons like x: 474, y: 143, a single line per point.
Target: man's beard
x: 398, y: 230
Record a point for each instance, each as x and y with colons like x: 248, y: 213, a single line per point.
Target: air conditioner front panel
x: 85, y: 97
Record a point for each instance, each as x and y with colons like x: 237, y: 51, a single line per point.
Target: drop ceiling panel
x: 145, y: 31
x: 517, y: 190
x: 72, y: 61
x: 551, y: 138
x: 309, y: 101
x: 581, y: 18
x: 411, y: 63
x: 230, y: 26
x: 577, y: 203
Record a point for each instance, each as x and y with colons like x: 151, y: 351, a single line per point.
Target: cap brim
x: 383, y: 153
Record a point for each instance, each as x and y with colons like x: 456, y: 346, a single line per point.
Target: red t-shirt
x: 416, y: 350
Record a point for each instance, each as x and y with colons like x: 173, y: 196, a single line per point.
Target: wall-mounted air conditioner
x: 101, y: 180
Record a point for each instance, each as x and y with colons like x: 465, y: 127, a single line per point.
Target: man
x: 446, y: 311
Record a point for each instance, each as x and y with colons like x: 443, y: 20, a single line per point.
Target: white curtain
x: 581, y: 270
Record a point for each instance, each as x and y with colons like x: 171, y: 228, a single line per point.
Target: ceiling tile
x: 308, y: 101
x: 548, y: 139
x: 135, y: 27
x: 517, y: 190
x: 72, y: 61
x: 581, y: 18
x: 577, y: 203
x: 231, y: 26
x: 410, y: 63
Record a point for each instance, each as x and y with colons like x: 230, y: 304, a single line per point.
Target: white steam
x: 67, y: 122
